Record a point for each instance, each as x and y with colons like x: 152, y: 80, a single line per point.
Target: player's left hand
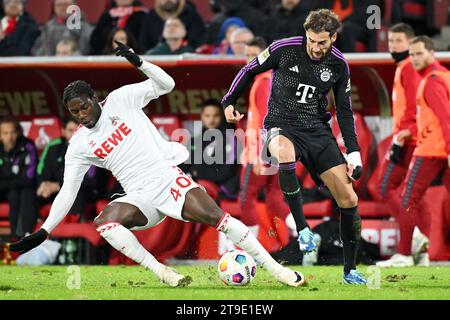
x: 125, y: 51
x: 354, y: 165
x: 29, y: 242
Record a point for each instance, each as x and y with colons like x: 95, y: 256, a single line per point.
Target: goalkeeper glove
x: 29, y: 242
x: 128, y: 53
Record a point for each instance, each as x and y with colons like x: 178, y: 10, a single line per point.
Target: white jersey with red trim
x: 123, y: 141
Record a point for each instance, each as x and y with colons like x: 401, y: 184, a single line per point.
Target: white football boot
x: 397, y: 260
x: 174, y: 279
x: 290, y: 277
x: 419, y: 248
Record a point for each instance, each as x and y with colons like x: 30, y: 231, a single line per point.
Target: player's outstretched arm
x: 162, y: 81
x: 267, y: 60
x: 60, y: 207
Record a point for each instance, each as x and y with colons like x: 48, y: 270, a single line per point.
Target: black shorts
x: 316, y: 149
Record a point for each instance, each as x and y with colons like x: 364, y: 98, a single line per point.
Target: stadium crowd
x: 176, y: 26
x: 29, y: 181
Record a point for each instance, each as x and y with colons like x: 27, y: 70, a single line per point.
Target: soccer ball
x: 236, y: 268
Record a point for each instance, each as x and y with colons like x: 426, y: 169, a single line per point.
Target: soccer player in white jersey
x: 117, y: 135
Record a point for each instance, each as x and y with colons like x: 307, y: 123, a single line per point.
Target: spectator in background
x: 153, y: 25
x: 67, y: 48
x: 220, y: 178
x: 238, y: 39
x: 121, y: 35
x: 254, y: 19
x: 50, y: 173
x: 253, y: 179
x: 354, y: 16
x: 18, y: 159
x: 56, y: 30
x: 223, y: 44
x: 174, y: 39
x: 287, y: 19
x: 18, y: 29
x: 125, y: 14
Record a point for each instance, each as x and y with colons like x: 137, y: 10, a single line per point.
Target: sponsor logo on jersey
x: 304, y: 91
x: 294, y: 68
x: 263, y: 56
x: 113, y: 141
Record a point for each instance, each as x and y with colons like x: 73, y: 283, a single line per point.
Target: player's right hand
x: 29, y: 242
x: 232, y: 116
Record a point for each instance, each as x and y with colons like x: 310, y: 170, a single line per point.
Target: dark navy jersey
x: 300, y: 87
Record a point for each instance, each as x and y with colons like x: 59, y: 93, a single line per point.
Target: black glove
x: 357, y: 172
x: 128, y: 53
x: 29, y: 242
x: 396, y: 154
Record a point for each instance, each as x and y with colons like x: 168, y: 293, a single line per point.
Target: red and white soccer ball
x: 236, y: 268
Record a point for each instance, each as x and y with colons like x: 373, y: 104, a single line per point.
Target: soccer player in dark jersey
x: 296, y: 125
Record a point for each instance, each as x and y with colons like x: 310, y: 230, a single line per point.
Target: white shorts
x: 167, y: 201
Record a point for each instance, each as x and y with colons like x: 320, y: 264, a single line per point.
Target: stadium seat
x: 92, y: 9
x: 85, y: 230
x: 41, y: 10
x: 4, y: 210
x: 42, y: 130
x: 167, y: 126
x: 372, y: 209
x: 437, y: 13
x: 413, y: 9
x: 231, y: 207
x: 318, y: 209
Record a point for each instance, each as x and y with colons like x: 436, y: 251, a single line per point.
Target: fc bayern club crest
x: 325, y: 75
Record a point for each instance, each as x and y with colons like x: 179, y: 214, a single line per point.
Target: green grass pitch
x: 133, y: 282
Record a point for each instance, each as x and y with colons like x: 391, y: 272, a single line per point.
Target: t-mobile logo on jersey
x: 113, y: 141
x: 304, y: 91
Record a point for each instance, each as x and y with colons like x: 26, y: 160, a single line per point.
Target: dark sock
x: 291, y: 189
x: 350, y: 229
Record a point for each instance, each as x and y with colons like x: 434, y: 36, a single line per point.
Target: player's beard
x: 323, y: 53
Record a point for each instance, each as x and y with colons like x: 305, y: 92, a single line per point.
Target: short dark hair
x: 77, y: 89
x: 66, y: 120
x: 322, y: 20
x: 257, y: 42
x: 211, y: 103
x: 426, y: 40
x: 403, y: 28
x: 14, y: 121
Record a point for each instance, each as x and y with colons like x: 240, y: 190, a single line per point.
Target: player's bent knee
x: 348, y: 201
x: 124, y: 214
x: 284, y: 154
